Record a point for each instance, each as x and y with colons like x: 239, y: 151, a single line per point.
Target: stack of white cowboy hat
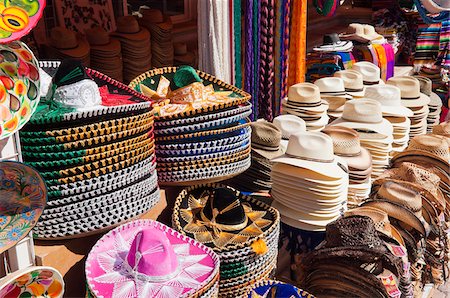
x: 310, y: 183
x: 346, y: 144
x: 362, y: 33
x: 288, y: 125
x: 393, y: 111
x: 304, y: 101
x: 353, y: 82
x: 436, y: 6
x: 376, y: 134
x: 415, y: 101
x: 435, y: 104
x: 332, y: 90
x: 371, y: 73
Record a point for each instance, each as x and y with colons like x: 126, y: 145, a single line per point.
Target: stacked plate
x: 309, y: 183
x: 244, y: 235
x: 98, y: 163
x: 304, y: 101
x: 203, y: 144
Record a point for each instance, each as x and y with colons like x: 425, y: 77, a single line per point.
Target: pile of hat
x: 265, y: 144
x: 67, y: 44
x: 435, y: 104
x: 413, y: 99
x: 93, y: 144
x: 309, y: 182
x: 361, y: 33
x: 375, y: 133
x: 304, y: 100
x: 202, y: 133
x: 160, y: 28
x: 243, y: 231
x: 106, y: 53
x: 346, y: 144
x: 135, y: 44
x: 288, y: 125
x: 145, y: 258
x: 182, y: 56
x: 332, y: 90
x: 277, y: 289
x: 392, y: 109
x: 353, y: 82
x: 371, y: 73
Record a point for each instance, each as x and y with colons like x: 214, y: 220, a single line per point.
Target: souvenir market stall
x: 232, y: 148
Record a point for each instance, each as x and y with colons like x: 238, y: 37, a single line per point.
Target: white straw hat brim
x: 423, y: 100
x: 396, y: 111
x: 384, y: 127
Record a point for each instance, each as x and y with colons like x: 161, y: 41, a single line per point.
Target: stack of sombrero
x: 393, y: 111
x: 305, y: 102
x: 106, y: 54
x: 277, y: 289
x: 265, y: 143
x: 332, y: 90
x: 375, y: 133
x: 66, y: 44
x: 346, y: 144
x: 160, y: 28
x: 201, y: 128
x: 241, y: 230
x: 416, y: 101
x: 435, y: 104
x: 182, y: 56
x: 309, y: 182
x: 93, y: 144
x: 145, y: 258
x: 135, y: 44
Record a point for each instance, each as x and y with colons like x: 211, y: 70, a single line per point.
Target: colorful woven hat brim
x: 100, y: 171
x: 144, y: 151
x: 241, y: 289
x: 137, y: 202
x: 152, y: 77
x: 262, y: 287
x: 65, y: 163
x: 212, y: 133
x: 201, y: 151
x: 89, y: 127
x: 204, y: 175
x: 204, y: 126
x: 94, y: 205
x: 203, y: 163
x: 240, y: 109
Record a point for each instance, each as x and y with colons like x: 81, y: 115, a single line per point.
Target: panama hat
x: 131, y: 257
x: 276, y: 289
x: 410, y: 91
x: 389, y: 98
x: 360, y: 32
x: 371, y: 73
x: 353, y: 82
x: 436, y: 6
x: 364, y: 114
x: 332, y: 86
x: 19, y: 91
x: 266, y: 139
x: 433, y: 146
x: 24, y: 196
x: 68, y: 43
x: 128, y: 28
x: 313, y: 151
x: 442, y: 129
x: 332, y: 43
x: 288, y: 125
x: 34, y: 281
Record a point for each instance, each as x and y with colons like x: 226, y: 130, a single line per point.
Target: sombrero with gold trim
x: 276, y: 289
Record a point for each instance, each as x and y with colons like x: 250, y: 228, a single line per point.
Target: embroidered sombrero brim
x: 197, y: 261
x: 200, y: 151
x: 263, y: 288
x: 23, y: 197
x: 31, y: 282
x: 152, y: 77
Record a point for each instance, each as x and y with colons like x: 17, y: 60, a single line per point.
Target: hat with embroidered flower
x: 145, y: 258
x: 23, y: 197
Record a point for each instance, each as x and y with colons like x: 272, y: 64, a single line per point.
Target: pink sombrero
x: 145, y: 258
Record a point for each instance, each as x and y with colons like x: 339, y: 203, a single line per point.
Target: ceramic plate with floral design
x: 19, y: 86
x: 42, y: 282
x: 18, y: 17
x: 23, y: 197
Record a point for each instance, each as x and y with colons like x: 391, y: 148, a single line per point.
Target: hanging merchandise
x: 327, y: 8
x: 297, y: 46
x: 425, y: 14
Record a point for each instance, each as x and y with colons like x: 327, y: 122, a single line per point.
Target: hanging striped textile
x: 256, y: 49
x: 284, y: 65
x: 297, y: 51
x: 249, y: 54
x: 444, y: 44
x: 427, y: 45
x: 382, y: 59
x: 277, y: 56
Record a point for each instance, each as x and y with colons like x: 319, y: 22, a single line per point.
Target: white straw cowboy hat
x: 353, y: 82
x: 426, y: 87
x: 305, y: 96
x: 313, y: 151
x: 332, y: 86
x: 410, y: 91
x: 436, y: 6
x: 389, y: 96
x: 365, y: 114
x: 371, y: 73
x: 360, y: 32
x: 289, y: 125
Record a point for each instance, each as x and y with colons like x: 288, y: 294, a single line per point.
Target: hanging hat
x: 332, y: 43
x: 24, y: 196
x: 34, y: 281
x: 371, y: 73
x: 353, y: 82
x: 276, y: 289
x: 410, y: 91
x: 436, y: 6
x: 332, y: 86
x: 68, y: 43
x: 389, y: 98
x: 145, y: 258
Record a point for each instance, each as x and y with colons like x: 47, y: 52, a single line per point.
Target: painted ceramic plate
x: 24, y: 195
x: 19, y: 86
